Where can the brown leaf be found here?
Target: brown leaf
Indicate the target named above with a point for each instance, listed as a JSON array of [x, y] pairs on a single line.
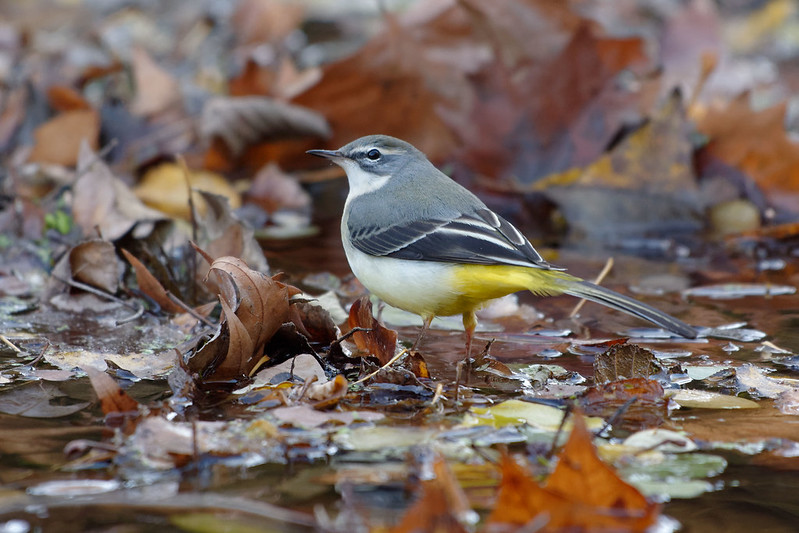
[[379, 341], [150, 286], [58, 141], [156, 89], [255, 306], [243, 121], [622, 361], [756, 143], [95, 263], [643, 399]]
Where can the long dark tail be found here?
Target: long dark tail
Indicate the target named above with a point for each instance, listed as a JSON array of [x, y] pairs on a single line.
[[614, 300]]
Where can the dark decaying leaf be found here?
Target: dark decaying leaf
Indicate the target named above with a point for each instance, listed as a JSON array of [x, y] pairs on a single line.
[[379, 340], [639, 403], [33, 400], [622, 361], [314, 321], [243, 121]]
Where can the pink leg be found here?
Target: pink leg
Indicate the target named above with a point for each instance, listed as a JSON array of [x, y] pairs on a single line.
[[425, 327]]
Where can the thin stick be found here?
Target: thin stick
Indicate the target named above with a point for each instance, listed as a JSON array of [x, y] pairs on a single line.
[[388, 364], [180, 303], [9, 343], [602, 274]]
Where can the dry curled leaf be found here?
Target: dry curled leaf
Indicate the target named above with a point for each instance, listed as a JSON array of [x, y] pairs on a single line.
[[243, 121], [379, 340]]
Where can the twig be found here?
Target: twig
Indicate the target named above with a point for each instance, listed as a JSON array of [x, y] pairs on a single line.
[[9, 343], [388, 364], [97, 292], [180, 303], [601, 276]]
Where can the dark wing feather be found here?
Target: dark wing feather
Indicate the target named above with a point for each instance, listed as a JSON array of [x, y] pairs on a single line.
[[482, 237]]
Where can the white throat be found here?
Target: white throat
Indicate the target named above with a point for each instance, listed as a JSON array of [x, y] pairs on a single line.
[[361, 182]]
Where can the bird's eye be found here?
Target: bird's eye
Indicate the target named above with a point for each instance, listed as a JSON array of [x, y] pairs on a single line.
[[373, 154]]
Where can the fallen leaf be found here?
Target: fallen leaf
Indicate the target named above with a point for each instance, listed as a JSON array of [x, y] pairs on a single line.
[[112, 398], [273, 190], [156, 89], [63, 98], [622, 361], [33, 400], [642, 399], [266, 21], [95, 263], [166, 187], [150, 286], [581, 493], [699, 399], [379, 340], [103, 202], [58, 141], [441, 506], [243, 121]]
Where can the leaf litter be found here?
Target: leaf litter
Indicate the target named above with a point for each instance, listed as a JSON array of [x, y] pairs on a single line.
[[140, 173]]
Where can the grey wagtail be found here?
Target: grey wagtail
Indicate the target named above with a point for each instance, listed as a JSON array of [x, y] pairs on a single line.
[[421, 242]]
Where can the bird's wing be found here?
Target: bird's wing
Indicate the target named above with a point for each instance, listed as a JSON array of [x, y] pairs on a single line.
[[481, 237]]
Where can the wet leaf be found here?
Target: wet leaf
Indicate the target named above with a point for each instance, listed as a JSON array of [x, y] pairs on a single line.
[[379, 340], [727, 291], [698, 399], [112, 398], [33, 400], [515, 412], [638, 402], [622, 361]]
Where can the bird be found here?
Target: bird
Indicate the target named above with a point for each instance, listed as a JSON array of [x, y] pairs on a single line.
[[420, 241]]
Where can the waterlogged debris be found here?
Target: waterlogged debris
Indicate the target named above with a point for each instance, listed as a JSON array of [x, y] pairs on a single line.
[[730, 291], [752, 380], [68, 488], [666, 476], [622, 361], [33, 400], [384, 438], [733, 332], [662, 440], [514, 412], [699, 399], [700, 373], [305, 416], [143, 365]]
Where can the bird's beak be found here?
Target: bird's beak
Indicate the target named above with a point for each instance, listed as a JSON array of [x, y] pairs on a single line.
[[327, 154]]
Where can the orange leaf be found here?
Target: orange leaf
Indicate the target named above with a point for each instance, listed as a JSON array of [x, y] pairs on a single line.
[[441, 506], [583, 493], [57, 141], [112, 398], [379, 341], [64, 98]]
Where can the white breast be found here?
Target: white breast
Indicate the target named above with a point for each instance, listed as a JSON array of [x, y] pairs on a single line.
[[421, 287]]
